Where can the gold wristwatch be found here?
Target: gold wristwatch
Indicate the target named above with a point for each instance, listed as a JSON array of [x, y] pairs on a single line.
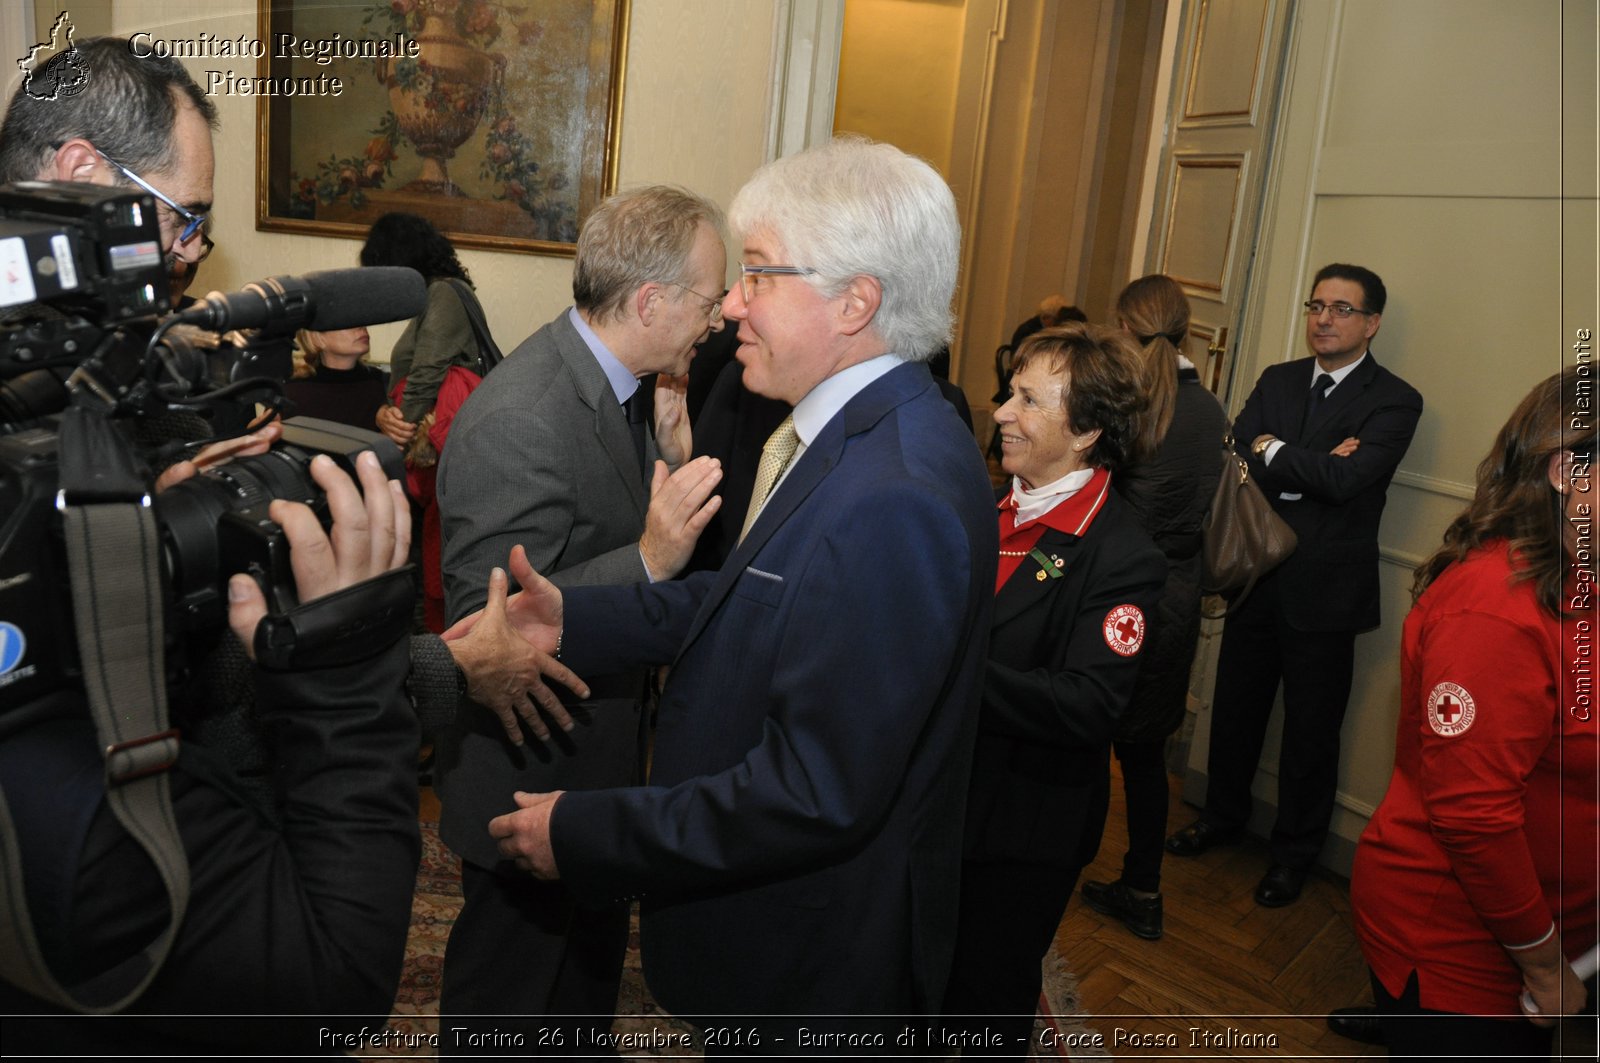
[[1259, 447]]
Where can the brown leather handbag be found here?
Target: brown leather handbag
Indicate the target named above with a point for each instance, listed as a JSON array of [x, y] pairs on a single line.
[[1243, 539]]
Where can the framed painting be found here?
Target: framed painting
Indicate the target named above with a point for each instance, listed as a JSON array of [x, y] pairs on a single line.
[[497, 120]]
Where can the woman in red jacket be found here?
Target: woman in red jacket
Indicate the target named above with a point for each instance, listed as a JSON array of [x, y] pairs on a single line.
[[1475, 879]]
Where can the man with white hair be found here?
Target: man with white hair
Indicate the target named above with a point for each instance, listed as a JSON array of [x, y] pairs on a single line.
[[797, 849]]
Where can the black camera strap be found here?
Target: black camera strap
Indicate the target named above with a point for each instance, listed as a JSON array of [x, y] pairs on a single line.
[[114, 559]]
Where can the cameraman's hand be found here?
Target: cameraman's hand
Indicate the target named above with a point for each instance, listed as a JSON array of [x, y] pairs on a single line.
[[258, 442], [371, 535], [506, 673]]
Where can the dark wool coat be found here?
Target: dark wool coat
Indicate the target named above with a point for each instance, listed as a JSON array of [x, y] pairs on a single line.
[[1170, 493]]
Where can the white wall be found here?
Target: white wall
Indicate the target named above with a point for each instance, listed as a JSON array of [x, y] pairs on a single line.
[[1450, 146]]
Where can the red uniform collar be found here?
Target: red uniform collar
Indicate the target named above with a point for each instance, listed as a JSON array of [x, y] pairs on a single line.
[[1072, 516]]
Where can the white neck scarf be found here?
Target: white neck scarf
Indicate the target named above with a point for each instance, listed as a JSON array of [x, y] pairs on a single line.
[[1036, 502]]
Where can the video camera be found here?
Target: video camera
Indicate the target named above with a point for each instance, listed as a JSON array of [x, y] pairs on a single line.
[[92, 376]]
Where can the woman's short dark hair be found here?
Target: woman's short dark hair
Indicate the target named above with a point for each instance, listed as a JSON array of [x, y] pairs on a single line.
[[1103, 391], [401, 239]]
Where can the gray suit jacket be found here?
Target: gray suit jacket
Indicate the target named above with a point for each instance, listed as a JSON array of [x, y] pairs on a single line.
[[541, 455]]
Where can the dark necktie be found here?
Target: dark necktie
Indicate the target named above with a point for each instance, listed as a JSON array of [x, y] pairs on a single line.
[[1319, 391], [636, 408]]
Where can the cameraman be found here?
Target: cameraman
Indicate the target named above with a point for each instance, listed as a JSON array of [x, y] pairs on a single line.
[[301, 902], [144, 116], [309, 914]]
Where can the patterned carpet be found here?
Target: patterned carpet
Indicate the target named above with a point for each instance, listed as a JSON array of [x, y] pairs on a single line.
[[438, 897]]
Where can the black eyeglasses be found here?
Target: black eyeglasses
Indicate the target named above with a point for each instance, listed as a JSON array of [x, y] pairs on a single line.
[[1339, 310], [191, 220]]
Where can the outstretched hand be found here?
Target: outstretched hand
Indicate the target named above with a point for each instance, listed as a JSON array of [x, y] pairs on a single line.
[[506, 671]]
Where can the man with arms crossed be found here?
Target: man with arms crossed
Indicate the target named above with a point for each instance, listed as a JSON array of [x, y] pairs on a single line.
[[1325, 435]]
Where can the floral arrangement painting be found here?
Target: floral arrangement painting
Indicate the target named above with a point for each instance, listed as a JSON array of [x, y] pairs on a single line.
[[496, 120]]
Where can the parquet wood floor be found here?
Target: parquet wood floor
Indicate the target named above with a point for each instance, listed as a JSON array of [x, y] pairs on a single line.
[[1226, 966], [1227, 969]]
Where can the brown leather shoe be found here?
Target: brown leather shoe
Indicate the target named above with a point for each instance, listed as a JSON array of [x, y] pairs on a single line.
[[1199, 836]]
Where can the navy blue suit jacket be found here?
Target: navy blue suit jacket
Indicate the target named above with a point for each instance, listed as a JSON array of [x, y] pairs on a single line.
[[1330, 582], [797, 850]]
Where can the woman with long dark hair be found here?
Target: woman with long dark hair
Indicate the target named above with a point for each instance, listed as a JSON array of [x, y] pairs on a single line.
[[434, 366], [442, 335], [1170, 492], [1475, 881]]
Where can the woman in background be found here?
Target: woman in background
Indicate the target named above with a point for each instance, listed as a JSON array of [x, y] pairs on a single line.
[[332, 379], [1476, 878], [435, 365], [1170, 493], [1076, 580], [442, 336]]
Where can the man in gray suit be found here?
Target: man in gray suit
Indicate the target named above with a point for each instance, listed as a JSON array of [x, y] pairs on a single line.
[[550, 453]]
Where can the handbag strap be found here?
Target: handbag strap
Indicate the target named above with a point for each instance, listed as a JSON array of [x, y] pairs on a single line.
[[1233, 461], [489, 354]]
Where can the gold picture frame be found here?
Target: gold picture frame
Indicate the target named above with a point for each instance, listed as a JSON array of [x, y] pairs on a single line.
[[497, 120]]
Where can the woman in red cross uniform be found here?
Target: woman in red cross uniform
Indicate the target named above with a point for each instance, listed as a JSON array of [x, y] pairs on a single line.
[[1077, 581], [1476, 879]]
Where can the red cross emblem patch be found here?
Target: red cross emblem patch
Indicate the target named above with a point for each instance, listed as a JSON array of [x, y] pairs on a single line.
[[1450, 710], [1124, 630]]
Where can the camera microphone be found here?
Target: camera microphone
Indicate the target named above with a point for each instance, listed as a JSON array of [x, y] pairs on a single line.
[[324, 301]]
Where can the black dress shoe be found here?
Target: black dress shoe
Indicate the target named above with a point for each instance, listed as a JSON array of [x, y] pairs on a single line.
[[1280, 886], [1358, 1023], [1142, 915], [1199, 836]]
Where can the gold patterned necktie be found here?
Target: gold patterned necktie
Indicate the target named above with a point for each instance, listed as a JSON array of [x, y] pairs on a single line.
[[776, 454]]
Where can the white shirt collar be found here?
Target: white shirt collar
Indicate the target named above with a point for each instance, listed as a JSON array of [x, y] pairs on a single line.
[[1338, 374], [812, 413]]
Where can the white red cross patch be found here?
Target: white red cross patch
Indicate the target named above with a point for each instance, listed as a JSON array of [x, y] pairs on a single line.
[[1124, 630], [1450, 710]]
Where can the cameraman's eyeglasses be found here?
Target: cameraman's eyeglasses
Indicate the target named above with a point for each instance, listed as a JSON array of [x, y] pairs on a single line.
[[191, 220], [1342, 311]]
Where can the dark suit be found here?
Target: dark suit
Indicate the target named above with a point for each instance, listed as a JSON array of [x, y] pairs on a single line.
[[797, 848], [1300, 623], [541, 454], [1053, 692], [732, 425]]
